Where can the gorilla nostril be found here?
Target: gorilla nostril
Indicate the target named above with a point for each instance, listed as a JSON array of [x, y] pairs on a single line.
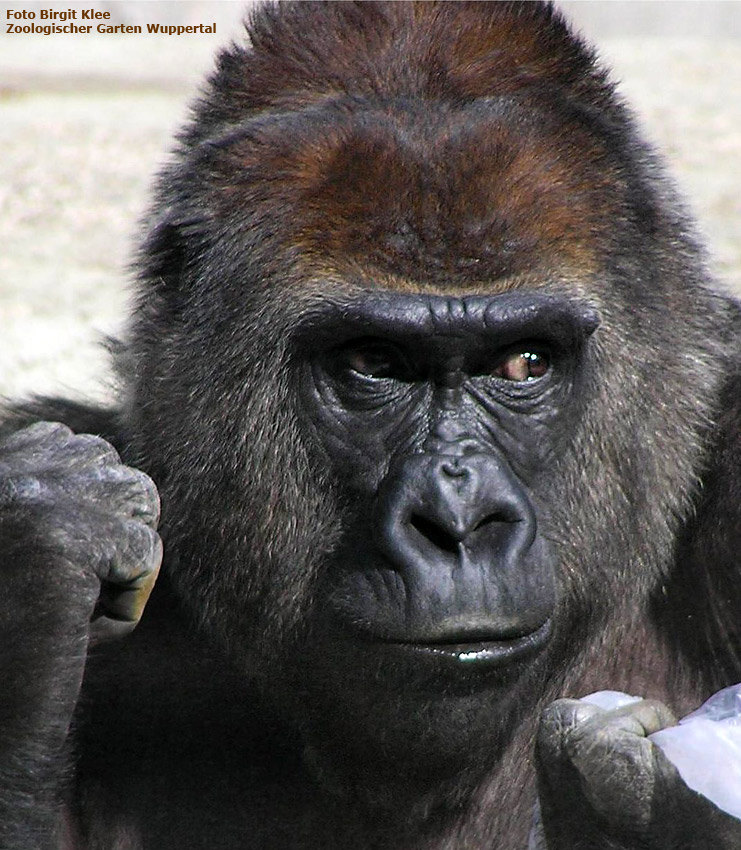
[[436, 535], [498, 517], [487, 520], [454, 470]]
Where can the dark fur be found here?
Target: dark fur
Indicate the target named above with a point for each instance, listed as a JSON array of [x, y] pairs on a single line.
[[324, 160]]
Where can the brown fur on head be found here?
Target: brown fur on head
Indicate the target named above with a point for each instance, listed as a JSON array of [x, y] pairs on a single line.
[[480, 116]]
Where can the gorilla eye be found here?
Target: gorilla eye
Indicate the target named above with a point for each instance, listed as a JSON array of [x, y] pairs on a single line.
[[373, 359], [523, 366]]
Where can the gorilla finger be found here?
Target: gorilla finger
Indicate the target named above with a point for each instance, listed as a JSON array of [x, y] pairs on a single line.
[[46, 448], [644, 717], [136, 553], [120, 489], [125, 603], [89, 449], [39, 434], [573, 731], [121, 603], [562, 716], [113, 549], [641, 719], [104, 628], [23, 488]]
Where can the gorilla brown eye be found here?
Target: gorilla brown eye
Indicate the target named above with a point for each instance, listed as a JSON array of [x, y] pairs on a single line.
[[373, 360], [523, 366]]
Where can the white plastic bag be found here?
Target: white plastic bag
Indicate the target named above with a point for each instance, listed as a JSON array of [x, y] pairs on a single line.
[[705, 747]]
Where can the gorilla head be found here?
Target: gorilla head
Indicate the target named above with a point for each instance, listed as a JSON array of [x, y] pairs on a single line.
[[423, 365]]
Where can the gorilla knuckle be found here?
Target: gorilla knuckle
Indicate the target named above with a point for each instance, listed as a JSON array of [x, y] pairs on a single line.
[[146, 503], [92, 450], [654, 715], [17, 490], [122, 490], [568, 712], [140, 553], [49, 433]]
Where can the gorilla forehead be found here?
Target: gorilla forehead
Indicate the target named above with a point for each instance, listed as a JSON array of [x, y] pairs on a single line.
[[459, 194], [505, 318]]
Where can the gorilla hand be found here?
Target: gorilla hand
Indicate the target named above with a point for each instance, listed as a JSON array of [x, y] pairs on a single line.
[[604, 786], [68, 500], [80, 556]]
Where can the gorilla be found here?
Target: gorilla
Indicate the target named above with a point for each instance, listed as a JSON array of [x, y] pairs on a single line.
[[443, 411]]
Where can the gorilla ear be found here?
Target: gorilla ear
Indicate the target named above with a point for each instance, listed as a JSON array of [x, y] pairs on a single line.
[[172, 244], [163, 257]]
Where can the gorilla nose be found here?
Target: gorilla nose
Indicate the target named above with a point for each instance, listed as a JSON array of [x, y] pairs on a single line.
[[438, 506], [453, 503]]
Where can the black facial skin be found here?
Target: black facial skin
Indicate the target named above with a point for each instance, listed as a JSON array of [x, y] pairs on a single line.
[[438, 415]]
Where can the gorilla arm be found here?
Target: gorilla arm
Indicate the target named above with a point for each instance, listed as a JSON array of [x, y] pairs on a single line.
[[79, 557]]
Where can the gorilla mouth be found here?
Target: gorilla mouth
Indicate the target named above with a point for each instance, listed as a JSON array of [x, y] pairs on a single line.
[[489, 653]]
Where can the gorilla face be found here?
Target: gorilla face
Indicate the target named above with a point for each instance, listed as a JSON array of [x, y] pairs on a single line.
[[438, 415], [404, 481]]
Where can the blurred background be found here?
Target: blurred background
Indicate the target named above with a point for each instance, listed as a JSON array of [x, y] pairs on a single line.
[[85, 121]]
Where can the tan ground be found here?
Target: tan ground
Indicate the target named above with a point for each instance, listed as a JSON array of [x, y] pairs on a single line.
[[83, 127]]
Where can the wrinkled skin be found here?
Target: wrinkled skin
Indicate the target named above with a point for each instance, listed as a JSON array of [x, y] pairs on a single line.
[[603, 784], [79, 558]]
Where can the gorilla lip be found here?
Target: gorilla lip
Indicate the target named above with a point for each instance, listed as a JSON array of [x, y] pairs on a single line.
[[492, 653]]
